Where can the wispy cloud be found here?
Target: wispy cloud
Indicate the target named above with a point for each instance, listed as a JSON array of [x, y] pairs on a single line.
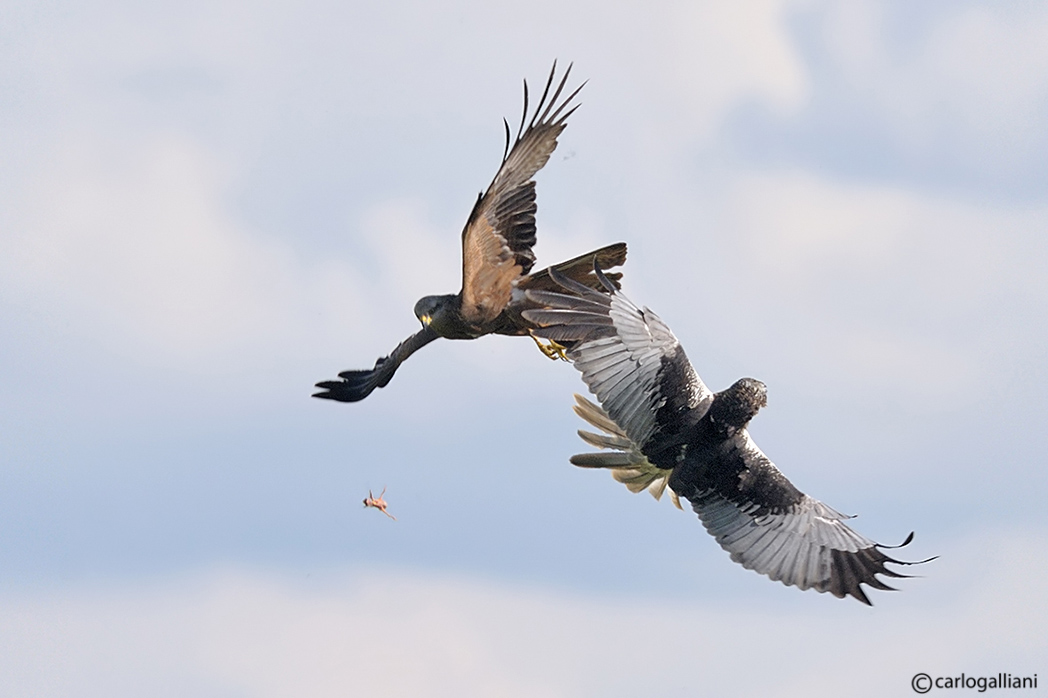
[[392, 632], [845, 200]]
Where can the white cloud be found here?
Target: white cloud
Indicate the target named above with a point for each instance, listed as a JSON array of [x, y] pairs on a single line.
[[386, 633], [992, 63], [968, 87], [133, 134], [718, 53], [702, 59], [410, 256], [856, 287], [136, 136], [133, 244]]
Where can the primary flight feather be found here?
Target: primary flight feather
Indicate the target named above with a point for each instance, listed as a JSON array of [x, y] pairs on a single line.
[[497, 254], [663, 428]]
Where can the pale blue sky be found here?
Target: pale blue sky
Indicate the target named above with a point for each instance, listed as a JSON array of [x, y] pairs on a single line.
[[208, 207]]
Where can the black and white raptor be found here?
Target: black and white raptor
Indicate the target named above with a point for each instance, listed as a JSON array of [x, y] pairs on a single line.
[[664, 428]]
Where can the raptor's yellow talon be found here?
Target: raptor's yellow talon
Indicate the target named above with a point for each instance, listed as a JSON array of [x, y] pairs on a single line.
[[552, 351]]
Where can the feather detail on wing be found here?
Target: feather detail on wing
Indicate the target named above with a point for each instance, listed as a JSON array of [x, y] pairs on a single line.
[[627, 465], [357, 385], [500, 232], [804, 543], [580, 269], [628, 357], [657, 412]]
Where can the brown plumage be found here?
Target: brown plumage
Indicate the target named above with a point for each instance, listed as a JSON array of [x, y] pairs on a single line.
[[497, 254]]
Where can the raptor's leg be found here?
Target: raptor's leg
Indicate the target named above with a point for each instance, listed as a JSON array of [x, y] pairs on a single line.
[[552, 350]]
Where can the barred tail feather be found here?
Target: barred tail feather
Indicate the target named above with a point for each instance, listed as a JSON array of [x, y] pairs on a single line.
[[627, 464]]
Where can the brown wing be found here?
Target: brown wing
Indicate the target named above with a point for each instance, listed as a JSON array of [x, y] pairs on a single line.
[[580, 269], [500, 232]]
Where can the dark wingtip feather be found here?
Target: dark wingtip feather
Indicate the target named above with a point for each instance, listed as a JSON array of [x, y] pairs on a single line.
[[342, 391], [505, 149], [524, 114], [540, 115], [556, 118], [548, 110], [849, 570], [909, 539]]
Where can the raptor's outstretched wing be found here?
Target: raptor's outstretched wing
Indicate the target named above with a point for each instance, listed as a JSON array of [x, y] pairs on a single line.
[[652, 399], [628, 357], [500, 232], [767, 525], [357, 385]]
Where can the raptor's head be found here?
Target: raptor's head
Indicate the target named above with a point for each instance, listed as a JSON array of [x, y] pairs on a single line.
[[430, 309], [737, 405]]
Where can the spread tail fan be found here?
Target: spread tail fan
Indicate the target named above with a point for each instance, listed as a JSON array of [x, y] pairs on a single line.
[[628, 465]]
